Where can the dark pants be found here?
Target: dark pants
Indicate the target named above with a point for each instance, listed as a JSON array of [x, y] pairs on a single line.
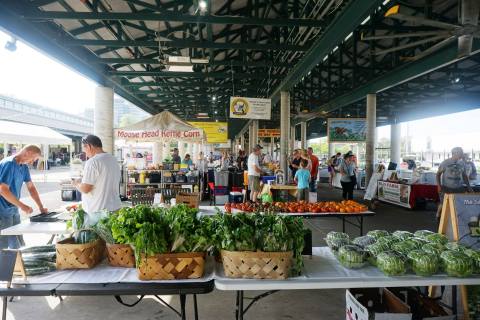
[[313, 184], [347, 188]]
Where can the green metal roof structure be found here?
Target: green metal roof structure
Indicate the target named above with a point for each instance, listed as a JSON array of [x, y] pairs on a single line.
[[328, 53]]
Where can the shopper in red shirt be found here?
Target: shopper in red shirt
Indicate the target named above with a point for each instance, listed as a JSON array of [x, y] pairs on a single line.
[[313, 171]]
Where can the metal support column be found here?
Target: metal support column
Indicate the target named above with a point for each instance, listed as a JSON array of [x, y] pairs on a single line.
[[303, 134], [395, 143], [371, 136], [284, 129], [103, 117], [293, 139], [250, 138], [242, 141], [254, 133]]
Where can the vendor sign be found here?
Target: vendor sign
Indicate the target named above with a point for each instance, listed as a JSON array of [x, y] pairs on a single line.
[[217, 132], [150, 135], [347, 130], [269, 133], [395, 193], [250, 108]]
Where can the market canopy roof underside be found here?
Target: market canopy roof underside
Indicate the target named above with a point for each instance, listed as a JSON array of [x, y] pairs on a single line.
[[329, 54]]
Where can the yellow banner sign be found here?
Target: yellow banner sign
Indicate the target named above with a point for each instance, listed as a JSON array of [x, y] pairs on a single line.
[[265, 133], [217, 132]]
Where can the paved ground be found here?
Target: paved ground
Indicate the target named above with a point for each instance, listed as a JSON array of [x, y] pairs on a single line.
[[314, 304]]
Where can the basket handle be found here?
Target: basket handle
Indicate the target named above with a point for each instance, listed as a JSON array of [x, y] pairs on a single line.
[[119, 300]]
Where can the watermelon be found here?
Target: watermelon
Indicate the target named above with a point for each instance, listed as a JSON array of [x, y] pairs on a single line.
[[336, 239], [437, 238], [404, 247], [352, 256], [402, 235], [455, 246], [391, 263], [475, 255], [377, 234], [388, 240], [423, 263], [434, 248], [374, 250], [364, 241], [423, 233], [457, 263]]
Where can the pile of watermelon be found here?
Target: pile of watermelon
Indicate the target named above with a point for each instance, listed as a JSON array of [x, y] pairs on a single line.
[[424, 253]]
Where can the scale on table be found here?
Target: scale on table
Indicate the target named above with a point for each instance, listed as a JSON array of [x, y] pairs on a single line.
[[45, 217]]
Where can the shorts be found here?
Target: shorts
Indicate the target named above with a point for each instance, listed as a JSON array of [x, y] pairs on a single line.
[[303, 194], [254, 183], [9, 217]]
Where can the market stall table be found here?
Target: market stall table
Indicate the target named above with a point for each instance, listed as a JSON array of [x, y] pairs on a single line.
[[323, 271], [277, 189], [406, 195], [104, 280], [353, 219]]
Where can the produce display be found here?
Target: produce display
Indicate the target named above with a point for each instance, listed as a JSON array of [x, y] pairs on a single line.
[[423, 263], [424, 253], [457, 263], [346, 206], [38, 259], [255, 232], [352, 256], [392, 263]]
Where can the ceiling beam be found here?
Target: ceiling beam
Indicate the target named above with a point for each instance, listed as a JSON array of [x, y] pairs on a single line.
[[402, 74], [173, 17], [184, 44], [234, 63], [199, 75], [345, 22]]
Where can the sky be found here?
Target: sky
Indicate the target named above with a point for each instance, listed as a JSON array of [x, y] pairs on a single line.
[[30, 75]]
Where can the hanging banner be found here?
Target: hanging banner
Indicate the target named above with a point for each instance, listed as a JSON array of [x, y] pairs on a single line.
[[158, 134], [347, 130], [250, 108], [395, 193], [268, 133], [217, 132]]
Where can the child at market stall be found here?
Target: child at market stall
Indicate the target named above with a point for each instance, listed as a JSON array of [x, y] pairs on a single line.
[[302, 178]]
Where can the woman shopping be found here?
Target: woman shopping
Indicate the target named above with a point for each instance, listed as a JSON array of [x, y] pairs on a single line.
[[349, 178]]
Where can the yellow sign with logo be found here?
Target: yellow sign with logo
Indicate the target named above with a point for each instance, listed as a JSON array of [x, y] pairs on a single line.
[[217, 132]]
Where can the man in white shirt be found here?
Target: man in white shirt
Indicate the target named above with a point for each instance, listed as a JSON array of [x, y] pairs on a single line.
[[254, 172], [101, 178]]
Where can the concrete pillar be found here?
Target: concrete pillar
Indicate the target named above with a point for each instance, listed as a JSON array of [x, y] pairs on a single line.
[[255, 132], [250, 137], [181, 149], [242, 141], [371, 137], [103, 117], [284, 130], [395, 143], [272, 147], [293, 139], [157, 153], [303, 134]]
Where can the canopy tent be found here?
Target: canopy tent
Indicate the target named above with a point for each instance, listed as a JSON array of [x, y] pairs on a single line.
[[22, 133], [160, 127]]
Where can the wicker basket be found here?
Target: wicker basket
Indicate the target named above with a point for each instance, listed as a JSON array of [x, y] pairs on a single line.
[[120, 255], [71, 255], [172, 266], [256, 265]]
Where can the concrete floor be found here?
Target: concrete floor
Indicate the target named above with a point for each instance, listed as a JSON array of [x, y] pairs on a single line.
[[313, 304]]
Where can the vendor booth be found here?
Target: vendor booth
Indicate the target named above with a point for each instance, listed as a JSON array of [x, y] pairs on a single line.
[[161, 175], [22, 134]]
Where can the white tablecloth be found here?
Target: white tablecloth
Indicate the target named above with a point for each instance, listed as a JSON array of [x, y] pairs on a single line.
[[105, 274], [323, 271]]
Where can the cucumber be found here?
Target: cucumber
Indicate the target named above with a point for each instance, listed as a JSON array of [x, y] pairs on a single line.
[[32, 271], [42, 256], [38, 249], [38, 264]]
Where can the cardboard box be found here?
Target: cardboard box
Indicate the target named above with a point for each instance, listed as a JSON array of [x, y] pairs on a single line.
[[393, 304], [190, 199], [383, 304]]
